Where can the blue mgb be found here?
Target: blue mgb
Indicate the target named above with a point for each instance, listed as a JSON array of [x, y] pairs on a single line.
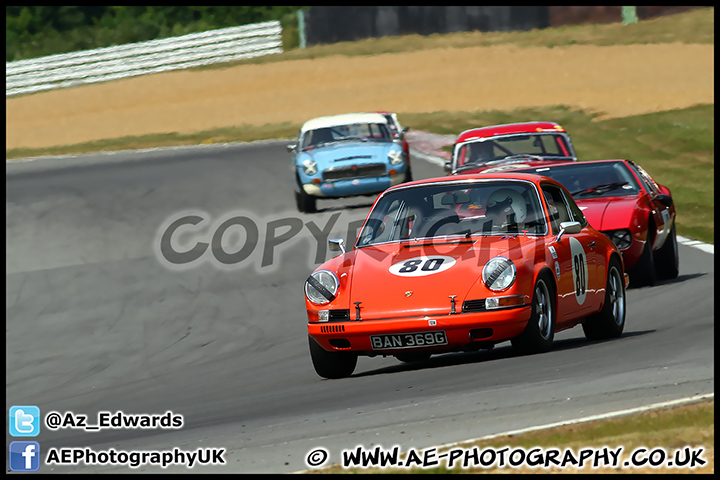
[[344, 156]]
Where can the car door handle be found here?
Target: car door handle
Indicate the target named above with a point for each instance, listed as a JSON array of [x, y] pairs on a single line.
[[592, 244]]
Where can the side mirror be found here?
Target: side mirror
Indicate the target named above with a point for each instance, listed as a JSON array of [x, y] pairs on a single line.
[[665, 199], [336, 245], [404, 130], [291, 148], [568, 227], [447, 167]]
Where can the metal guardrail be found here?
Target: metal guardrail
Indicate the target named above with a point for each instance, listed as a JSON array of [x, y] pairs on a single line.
[[122, 61]]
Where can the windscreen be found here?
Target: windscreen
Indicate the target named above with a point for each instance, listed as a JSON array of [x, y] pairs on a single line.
[[455, 209], [591, 180], [501, 147], [366, 132]]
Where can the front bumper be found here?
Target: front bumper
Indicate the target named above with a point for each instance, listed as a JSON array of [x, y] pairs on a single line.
[[353, 186], [461, 330]]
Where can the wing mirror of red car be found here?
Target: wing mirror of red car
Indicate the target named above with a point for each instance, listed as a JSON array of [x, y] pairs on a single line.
[[336, 245], [568, 227], [447, 167], [664, 199]]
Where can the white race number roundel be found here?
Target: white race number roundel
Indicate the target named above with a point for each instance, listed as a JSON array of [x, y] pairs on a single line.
[[579, 269], [420, 266]]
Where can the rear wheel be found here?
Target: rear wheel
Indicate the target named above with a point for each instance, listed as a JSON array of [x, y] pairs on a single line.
[[667, 262], [540, 330], [331, 364], [643, 273], [610, 321], [304, 202]]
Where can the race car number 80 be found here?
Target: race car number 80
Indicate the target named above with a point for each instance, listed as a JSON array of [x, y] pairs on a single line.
[[420, 266]]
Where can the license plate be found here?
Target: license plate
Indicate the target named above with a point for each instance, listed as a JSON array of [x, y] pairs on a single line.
[[408, 340]]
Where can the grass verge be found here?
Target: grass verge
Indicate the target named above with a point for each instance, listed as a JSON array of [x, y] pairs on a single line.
[[672, 430]]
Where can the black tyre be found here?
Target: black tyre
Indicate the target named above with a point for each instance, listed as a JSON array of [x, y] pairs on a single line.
[[667, 261], [304, 202], [411, 357], [610, 321], [540, 331], [408, 174], [331, 364], [642, 274]]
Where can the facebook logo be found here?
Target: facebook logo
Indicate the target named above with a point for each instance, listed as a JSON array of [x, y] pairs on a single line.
[[24, 421], [24, 456]]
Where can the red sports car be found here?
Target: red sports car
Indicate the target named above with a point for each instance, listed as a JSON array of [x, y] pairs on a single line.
[[463, 263], [623, 201], [492, 149]]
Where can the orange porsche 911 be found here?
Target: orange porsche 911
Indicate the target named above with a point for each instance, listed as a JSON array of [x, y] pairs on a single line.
[[460, 264]]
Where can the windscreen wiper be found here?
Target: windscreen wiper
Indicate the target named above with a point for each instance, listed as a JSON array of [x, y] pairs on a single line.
[[604, 188]]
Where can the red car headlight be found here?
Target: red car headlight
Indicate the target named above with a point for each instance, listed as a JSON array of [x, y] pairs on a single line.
[[621, 238]]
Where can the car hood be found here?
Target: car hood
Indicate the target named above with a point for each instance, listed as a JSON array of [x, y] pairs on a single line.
[[378, 280], [352, 152], [608, 213]]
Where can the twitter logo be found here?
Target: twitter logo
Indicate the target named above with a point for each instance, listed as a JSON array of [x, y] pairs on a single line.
[[24, 421]]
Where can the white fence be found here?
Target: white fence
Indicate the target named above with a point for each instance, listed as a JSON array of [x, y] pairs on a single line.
[[112, 63]]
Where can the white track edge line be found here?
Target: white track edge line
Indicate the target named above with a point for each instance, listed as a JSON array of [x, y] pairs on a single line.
[[604, 416]]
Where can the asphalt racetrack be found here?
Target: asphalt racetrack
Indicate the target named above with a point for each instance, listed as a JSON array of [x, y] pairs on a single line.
[[96, 321]]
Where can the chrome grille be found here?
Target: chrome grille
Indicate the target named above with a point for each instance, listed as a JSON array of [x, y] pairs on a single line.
[[354, 171], [340, 315], [474, 305]]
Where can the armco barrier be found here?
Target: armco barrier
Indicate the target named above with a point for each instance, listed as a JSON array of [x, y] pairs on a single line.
[[112, 63]]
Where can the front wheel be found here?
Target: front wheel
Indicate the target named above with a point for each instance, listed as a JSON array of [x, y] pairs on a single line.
[[667, 262], [331, 364], [540, 331], [304, 202], [643, 273], [408, 174], [610, 321]]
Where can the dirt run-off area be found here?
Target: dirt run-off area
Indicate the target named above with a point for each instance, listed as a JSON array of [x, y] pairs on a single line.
[[615, 81]]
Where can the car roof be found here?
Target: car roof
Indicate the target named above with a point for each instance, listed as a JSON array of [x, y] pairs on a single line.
[[509, 128], [343, 119]]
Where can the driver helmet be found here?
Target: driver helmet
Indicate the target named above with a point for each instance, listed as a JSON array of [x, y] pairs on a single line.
[[515, 201]]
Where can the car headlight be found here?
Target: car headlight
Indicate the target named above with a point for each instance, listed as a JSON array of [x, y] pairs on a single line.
[[396, 157], [321, 287], [310, 167], [499, 273], [621, 238]]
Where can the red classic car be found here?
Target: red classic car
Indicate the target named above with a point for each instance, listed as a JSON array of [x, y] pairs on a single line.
[[623, 201], [463, 263], [495, 148]]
